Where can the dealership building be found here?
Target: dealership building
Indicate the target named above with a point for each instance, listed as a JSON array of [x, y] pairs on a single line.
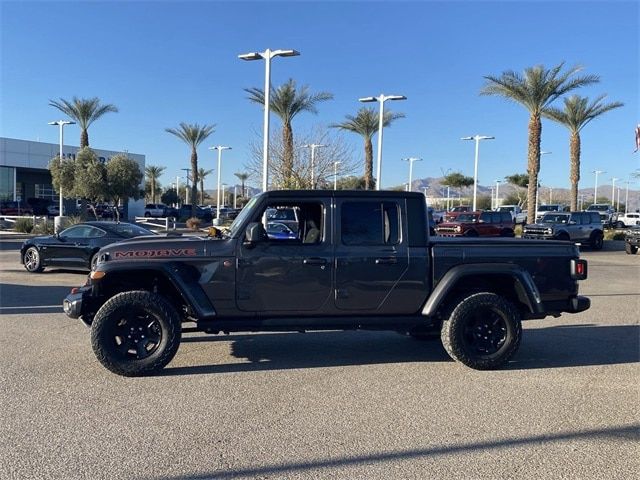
[[24, 170]]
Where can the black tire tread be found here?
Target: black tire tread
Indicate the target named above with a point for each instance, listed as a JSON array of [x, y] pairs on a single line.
[[596, 241], [154, 302], [464, 306], [630, 249], [40, 267]]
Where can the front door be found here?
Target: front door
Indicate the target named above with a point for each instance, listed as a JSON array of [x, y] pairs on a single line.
[[292, 269], [371, 256]]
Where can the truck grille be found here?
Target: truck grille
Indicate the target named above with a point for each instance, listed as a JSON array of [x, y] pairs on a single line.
[[535, 231], [446, 230]]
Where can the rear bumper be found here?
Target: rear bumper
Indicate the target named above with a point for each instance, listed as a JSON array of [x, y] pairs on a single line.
[[579, 304]]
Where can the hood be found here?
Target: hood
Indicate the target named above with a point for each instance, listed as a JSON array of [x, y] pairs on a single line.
[[167, 248]]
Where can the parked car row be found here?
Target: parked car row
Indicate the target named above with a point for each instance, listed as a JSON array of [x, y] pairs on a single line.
[[204, 212]]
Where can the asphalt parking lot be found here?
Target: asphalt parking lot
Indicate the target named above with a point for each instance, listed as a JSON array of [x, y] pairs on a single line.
[[325, 404]]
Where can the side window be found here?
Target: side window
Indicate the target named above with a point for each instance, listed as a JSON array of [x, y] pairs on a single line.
[[293, 222], [95, 233], [81, 231], [370, 223], [595, 217], [485, 217]]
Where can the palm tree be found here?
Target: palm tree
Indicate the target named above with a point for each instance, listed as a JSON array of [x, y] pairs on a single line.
[[287, 101], [576, 114], [202, 173], [84, 111], [242, 176], [366, 123], [153, 173], [193, 135], [535, 90]]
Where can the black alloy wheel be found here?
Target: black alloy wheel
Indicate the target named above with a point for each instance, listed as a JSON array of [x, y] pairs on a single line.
[[483, 331], [135, 333]]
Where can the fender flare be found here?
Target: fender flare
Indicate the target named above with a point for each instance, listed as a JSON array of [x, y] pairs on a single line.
[[187, 286], [524, 284]]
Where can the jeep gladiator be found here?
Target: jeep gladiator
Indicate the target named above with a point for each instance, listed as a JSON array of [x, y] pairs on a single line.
[[357, 260]]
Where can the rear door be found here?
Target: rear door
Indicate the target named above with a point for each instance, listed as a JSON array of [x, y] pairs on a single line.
[[371, 255]]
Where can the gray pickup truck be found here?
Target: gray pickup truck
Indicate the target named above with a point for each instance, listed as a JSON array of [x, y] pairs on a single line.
[[358, 260], [584, 228]]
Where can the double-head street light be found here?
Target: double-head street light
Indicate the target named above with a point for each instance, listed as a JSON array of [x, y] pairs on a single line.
[[220, 148], [477, 139], [267, 55], [381, 99], [61, 124], [411, 160], [595, 188], [313, 147]]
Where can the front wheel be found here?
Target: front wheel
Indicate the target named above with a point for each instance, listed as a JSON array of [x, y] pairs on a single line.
[[483, 331], [136, 333], [32, 261], [630, 249]]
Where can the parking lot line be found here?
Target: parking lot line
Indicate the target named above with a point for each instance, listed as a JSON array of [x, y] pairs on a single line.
[[30, 306]]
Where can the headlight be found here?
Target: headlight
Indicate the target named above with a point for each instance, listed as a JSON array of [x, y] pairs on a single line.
[[548, 231], [458, 229]]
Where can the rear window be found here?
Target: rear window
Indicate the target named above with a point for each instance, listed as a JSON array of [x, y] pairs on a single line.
[[370, 223], [129, 230]]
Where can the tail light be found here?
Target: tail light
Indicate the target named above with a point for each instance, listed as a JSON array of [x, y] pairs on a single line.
[[578, 269]]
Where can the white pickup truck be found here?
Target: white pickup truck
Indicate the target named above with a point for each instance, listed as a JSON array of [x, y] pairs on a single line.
[[519, 216]]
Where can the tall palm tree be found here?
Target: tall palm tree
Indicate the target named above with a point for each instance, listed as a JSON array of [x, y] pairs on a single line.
[[202, 173], [242, 176], [536, 89], [577, 113], [153, 173], [193, 135], [84, 111], [366, 123], [286, 102]]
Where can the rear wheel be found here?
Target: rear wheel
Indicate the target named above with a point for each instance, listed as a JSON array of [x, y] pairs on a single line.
[[135, 333], [32, 261], [507, 233], [483, 331], [630, 249], [596, 241]]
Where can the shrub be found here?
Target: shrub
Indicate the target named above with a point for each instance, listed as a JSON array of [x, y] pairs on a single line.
[[193, 223], [518, 230], [613, 235], [46, 227], [23, 225]]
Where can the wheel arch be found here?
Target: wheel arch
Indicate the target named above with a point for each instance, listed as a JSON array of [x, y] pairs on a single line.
[[507, 280]]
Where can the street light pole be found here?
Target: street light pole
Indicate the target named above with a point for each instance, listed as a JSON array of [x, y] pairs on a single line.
[[335, 174], [186, 192], [61, 124], [477, 139], [220, 148], [595, 188], [613, 190], [313, 147], [411, 160], [267, 55], [380, 99], [626, 198], [497, 192]]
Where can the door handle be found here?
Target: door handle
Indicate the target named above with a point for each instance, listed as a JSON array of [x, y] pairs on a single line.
[[314, 261], [386, 261]]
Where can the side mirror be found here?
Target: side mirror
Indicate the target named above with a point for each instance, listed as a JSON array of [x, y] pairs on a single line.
[[572, 222], [254, 234]]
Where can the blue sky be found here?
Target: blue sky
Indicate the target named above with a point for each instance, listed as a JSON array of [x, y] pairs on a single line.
[[163, 63]]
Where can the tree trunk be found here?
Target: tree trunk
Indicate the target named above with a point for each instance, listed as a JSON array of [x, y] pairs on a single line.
[[202, 191], [84, 138], [242, 181], [153, 190], [287, 163], [194, 184], [574, 174], [533, 164], [368, 164]]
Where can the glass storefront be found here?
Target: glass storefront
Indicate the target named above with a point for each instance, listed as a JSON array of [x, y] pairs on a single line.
[[7, 179]]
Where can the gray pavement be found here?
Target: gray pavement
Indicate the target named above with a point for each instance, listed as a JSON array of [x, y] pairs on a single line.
[[325, 404]]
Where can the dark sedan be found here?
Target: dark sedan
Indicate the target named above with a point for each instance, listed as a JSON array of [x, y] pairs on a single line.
[[77, 246]]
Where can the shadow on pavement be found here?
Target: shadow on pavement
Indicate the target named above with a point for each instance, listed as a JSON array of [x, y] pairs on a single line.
[[552, 347], [20, 298], [628, 433]]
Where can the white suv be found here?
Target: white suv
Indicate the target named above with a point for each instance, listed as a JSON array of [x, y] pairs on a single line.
[[155, 210]]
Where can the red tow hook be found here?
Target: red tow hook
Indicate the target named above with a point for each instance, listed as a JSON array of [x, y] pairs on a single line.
[[75, 290]]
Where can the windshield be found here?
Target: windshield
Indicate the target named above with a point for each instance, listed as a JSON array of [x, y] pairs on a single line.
[[466, 217], [555, 218], [244, 213], [129, 230], [505, 209], [548, 208], [598, 208]]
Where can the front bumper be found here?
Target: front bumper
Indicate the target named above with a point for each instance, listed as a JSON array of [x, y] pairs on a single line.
[[80, 303], [633, 241], [538, 237]]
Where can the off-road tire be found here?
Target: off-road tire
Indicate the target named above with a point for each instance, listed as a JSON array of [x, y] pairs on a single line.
[[466, 325], [471, 233], [596, 241], [630, 249], [564, 237], [93, 261], [129, 311], [32, 260]]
